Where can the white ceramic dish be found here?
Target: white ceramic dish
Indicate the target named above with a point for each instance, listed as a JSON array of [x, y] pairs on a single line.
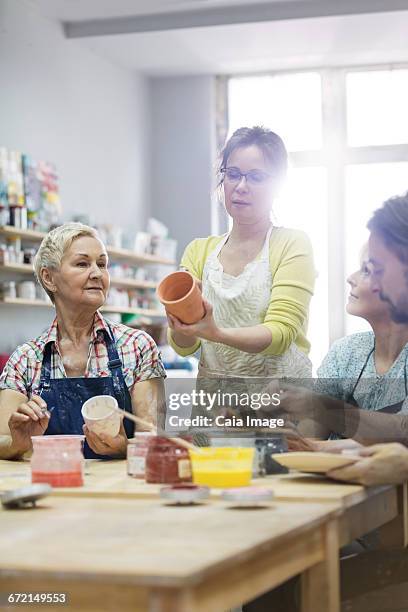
[[248, 497], [100, 415], [184, 495], [317, 463]]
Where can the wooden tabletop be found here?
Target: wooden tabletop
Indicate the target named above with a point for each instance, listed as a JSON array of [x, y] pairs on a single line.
[[146, 540], [110, 479], [115, 530], [364, 508], [164, 557]]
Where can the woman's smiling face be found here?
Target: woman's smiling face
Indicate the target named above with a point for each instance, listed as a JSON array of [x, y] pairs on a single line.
[[363, 300], [247, 201], [83, 276]]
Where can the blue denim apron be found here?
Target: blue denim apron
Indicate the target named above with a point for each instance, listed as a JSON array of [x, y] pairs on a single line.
[[67, 395]]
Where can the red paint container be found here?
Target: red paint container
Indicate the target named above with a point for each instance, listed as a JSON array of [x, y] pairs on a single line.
[[58, 460], [167, 463]]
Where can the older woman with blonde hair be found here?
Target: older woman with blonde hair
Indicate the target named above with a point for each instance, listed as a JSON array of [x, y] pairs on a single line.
[[46, 380]]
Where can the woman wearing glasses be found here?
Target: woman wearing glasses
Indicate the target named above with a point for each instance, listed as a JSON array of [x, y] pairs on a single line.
[[257, 280]]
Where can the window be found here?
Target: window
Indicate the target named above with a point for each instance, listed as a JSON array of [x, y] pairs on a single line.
[[377, 103], [289, 105], [303, 205], [367, 187], [347, 134]]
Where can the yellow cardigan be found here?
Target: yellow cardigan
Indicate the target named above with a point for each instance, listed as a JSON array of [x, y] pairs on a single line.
[[291, 263]]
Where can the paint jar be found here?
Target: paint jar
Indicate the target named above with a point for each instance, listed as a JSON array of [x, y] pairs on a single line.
[[136, 453], [222, 467], [167, 463], [58, 460], [266, 447]]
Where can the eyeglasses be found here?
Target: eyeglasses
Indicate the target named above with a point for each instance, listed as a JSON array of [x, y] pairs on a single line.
[[253, 177]]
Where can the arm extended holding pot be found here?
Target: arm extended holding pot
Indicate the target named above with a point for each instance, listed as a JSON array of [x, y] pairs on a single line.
[[292, 289], [186, 338], [252, 339]]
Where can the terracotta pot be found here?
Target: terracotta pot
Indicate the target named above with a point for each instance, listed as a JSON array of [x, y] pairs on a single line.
[[181, 297]]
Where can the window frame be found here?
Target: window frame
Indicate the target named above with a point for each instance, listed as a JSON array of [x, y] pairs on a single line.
[[335, 155]]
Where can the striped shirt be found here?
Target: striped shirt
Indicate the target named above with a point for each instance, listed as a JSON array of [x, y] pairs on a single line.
[[137, 351]]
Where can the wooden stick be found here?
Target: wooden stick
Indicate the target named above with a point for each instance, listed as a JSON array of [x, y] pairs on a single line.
[[153, 429]]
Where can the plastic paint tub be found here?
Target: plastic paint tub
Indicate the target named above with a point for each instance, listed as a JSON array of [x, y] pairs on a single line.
[[58, 460], [167, 463], [222, 467]]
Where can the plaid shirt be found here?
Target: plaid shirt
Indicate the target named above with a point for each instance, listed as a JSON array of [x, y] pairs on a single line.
[[137, 351]]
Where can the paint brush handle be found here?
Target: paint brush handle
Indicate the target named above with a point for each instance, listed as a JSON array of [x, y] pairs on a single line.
[[153, 429]]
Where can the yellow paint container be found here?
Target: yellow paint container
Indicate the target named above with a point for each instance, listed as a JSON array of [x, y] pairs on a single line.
[[222, 467]]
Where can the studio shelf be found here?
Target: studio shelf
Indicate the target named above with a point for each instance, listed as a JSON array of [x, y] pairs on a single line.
[[125, 283], [147, 312], [115, 254]]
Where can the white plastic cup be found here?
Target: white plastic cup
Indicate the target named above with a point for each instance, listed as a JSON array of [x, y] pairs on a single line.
[[100, 415]]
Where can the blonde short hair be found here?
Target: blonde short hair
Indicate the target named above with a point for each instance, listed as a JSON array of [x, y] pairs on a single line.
[[55, 244]]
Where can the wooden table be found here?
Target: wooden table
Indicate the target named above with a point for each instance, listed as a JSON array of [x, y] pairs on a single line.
[[364, 509], [114, 531], [142, 555]]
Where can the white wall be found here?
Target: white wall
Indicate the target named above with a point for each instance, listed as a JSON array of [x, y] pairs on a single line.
[[183, 148], [61, 102]]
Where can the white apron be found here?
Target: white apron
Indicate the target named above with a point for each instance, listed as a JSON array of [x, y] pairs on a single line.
[[242, 301]]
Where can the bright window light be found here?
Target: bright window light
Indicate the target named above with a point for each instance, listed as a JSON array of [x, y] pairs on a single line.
[[309, 214], [367, 187], [289, 105], [377, 103]]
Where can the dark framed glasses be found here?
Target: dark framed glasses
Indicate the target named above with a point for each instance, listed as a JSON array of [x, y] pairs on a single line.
[[252, 177]]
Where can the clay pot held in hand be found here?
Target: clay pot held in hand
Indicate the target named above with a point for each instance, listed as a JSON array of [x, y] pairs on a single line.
[[181, 296]]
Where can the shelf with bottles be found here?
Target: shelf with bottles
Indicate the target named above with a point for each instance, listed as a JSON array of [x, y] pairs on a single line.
[[125, 283], [114, 253], [17, 232], [148, 312], [134, 276], [122, 300]]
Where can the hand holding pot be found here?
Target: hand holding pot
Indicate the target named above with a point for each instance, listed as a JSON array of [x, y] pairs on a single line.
[[104, 444], [180, 293], [206, 328]]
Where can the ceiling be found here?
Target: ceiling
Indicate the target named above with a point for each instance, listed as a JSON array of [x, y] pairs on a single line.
[[244, 47], [78, 10]]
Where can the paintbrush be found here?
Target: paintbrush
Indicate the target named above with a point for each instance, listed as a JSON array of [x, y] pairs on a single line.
[[153, 429]]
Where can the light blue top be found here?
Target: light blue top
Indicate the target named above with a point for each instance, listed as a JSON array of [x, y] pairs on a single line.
[[340, 369]]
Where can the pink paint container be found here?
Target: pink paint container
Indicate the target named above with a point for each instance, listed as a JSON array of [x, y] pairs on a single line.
[[58, 460]]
